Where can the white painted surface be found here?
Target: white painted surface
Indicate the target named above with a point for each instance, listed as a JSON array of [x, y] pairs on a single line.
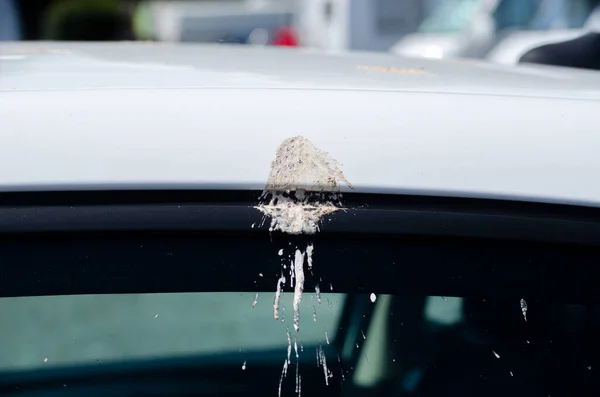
[[162, 116]]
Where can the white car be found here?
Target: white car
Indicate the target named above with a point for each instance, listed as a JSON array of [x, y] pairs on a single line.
[[182, 220], [511, 48], [216, 20], [484, 28]]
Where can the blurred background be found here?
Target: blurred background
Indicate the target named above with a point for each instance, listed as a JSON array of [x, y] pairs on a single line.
[[497, 30]]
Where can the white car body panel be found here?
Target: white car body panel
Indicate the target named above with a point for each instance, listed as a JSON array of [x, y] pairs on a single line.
[[129, 116]]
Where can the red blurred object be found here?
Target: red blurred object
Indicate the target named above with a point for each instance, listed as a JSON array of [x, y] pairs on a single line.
[[285, 36]]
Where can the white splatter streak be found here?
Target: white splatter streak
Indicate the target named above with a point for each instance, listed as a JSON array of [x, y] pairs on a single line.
[[280, 282], [299, 288], [296, 348], [289, 348], [297, 366], [323, 362], [524, 308], [283, 374]]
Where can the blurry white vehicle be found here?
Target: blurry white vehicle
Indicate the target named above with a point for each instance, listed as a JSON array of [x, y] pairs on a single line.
[[372, 25], [472, 28], [218, 21], [511, 48]]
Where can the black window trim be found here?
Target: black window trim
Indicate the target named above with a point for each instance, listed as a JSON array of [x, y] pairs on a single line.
[[545, 236]]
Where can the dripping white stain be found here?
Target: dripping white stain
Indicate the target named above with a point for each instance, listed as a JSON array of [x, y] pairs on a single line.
[[303, 186], [289, 348], [309, 255], [524, 308], [283, 375], [280, 283], [322, 362], [318, 293], [299, 288]]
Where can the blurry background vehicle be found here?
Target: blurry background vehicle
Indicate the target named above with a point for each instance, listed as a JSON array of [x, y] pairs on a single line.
[[324, 24], [509, 50], [500, 31], [582, 52], [239, 21], [472, 28], [372, 25]]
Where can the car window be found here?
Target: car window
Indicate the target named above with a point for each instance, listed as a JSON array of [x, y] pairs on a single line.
[[448, 346], [457, 15], [400, 314], [87, 329]]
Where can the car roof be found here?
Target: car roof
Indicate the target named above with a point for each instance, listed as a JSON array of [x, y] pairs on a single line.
[[190, 116], [145, 65]]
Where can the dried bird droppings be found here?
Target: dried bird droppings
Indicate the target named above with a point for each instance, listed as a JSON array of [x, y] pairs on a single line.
[[303, 186]]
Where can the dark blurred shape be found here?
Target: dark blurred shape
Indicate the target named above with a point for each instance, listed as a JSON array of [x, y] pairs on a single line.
[[582, 52], [88, 20], [31, 13], [285, 36]]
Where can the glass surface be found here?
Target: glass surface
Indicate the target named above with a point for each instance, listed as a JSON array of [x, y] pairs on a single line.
[[82, 329]]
